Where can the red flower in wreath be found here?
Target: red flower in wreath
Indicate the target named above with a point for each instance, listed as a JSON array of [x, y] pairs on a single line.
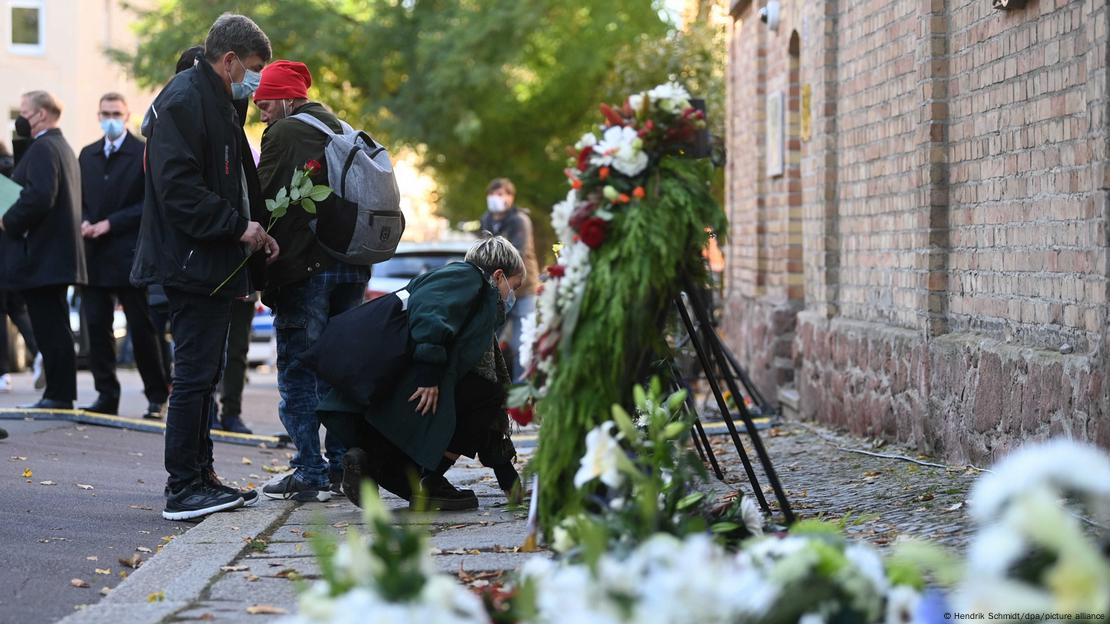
[[593, 232], [579, 216], [556, 270], [311, 167], [522, 415]]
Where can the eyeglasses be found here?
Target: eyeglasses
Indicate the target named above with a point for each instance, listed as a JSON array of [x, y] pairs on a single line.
[[111, 115]]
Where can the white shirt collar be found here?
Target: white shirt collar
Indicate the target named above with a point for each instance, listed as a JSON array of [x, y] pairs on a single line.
[[42, 132], [117, 143]]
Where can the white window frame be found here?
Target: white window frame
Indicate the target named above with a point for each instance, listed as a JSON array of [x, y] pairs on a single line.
[[26, 48]]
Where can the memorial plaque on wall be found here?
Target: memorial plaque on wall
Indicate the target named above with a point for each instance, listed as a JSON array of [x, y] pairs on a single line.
[[775, 134]]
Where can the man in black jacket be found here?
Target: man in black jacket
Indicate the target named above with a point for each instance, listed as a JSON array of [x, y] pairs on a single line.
[[112, 198], [41, 253], [195, 232]]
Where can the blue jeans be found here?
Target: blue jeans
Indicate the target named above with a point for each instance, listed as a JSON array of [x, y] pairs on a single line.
[[301, 313], [522, 309]]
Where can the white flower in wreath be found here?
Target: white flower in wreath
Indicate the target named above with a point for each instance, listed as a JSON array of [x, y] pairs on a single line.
[[601, 460], [560, 215], [812, 618], [868, 563], [752, 516], [622, 148], [588, 140], [901, 605], [671, 97]]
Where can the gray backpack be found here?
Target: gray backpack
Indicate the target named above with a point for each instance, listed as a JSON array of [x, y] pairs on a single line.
[[364, 223]]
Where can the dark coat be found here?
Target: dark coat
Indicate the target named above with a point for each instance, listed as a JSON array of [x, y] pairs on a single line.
[[112, 190], [192, 219], [444, 348], [516, 227], [286, 145], [42, 244]]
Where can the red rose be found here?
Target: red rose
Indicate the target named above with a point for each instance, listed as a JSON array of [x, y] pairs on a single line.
[[522, 415], [311, 167], [593, 232], [556, 270], [579, 216], [584, 158]]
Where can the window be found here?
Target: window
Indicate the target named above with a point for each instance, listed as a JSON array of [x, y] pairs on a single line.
[[26, 26]]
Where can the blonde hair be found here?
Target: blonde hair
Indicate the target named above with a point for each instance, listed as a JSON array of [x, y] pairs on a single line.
[[496, 252], [45, 101]]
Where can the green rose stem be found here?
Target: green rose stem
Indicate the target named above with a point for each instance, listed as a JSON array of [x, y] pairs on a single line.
[[244, 262]]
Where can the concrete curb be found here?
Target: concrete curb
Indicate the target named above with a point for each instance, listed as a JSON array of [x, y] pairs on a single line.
[[185, 567]]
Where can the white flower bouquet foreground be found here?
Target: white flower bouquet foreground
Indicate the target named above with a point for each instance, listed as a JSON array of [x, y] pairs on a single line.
[[1035, 551]]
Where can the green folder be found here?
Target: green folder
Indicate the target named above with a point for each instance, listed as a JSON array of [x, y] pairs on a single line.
[[9, 193]]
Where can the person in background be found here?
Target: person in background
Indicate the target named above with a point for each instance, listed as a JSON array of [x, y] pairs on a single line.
[[42, 253], [11, 305], [306, 287], [504, 218], [195, 231], [112, 199]]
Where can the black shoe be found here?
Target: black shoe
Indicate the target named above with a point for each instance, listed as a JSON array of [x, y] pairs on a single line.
[[250, 497], [356, 469], [437, 494], [103, 406], [233, 424], [292, 487], [199, 499], [50, 404], [3, 434], [155, 411]]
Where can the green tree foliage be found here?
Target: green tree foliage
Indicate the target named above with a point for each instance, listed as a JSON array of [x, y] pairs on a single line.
[[481, 88]]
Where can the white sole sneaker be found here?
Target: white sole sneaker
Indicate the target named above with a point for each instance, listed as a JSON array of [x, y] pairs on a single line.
[[197, 513]]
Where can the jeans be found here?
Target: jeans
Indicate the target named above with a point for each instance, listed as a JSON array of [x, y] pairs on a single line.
[[522, 309], [301, 312], [238, 344], [199, 325]]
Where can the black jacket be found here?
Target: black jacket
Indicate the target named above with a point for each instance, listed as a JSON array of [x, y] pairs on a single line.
[[286, 145], [42, 245], [112, 190], [193, 212]]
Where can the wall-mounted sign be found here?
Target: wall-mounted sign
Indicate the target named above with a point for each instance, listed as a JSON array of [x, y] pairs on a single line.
[[1007, 4], [775, 134], [807, 105]]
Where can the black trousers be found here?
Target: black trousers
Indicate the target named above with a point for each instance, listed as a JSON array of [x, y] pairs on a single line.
[[238, 343], [49, 313], [199, 324], [12, 305], [99, 306]]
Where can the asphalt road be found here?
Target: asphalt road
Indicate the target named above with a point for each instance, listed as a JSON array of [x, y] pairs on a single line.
[[102, 500]]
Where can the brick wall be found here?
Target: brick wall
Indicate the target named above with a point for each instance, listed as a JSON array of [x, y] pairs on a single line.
[[931, 266]]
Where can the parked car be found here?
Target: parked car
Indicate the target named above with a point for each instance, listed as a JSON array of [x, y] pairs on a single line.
[[413, 259], [77, 324], [262, 348]]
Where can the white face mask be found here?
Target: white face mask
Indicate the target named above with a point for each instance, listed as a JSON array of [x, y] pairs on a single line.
[[495, 203]]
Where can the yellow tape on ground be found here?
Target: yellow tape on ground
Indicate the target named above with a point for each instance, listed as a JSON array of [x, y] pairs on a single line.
[[134, 424]]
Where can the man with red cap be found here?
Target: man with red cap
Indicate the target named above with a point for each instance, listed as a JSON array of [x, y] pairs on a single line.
[[305, 286]]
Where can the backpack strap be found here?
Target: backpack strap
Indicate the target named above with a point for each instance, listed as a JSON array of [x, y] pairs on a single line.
[[316, 123]]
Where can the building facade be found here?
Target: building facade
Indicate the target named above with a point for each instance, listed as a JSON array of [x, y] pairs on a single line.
[[918, 194], [59, 46]]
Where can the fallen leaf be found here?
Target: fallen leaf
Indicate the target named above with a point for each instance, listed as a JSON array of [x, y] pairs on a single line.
[[288, 573], [142, 507], [156, 596], [341, 525], [143, 549], [251, 578], [27, 474], [104, 591], [104, 571], [17, 458], [90, 558], [265, 610], [275, 469], [133, 562], [928, 496], [78, 583], [136, 454], [84, 487], [234, 568], [47, 483], [254, 476], [955, 507], [246, 461]]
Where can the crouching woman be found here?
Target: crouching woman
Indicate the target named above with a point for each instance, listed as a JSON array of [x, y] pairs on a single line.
[[449, 399]]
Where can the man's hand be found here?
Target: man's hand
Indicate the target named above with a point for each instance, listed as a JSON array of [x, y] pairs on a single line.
[[272, 249], [86, 229], [99, 229], [429, 399], [254, 236]]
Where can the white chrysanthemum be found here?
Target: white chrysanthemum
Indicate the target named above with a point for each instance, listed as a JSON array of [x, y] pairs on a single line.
[[588, 140], [868, 563], [670, 97], [527, 340], [752, 516], [560, 215], [601, 458], [901, 605], [812, 618], [622, 148], [448, 601], [1061, 464]]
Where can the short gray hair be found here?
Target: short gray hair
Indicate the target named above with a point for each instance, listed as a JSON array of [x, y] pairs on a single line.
[[496, 252], [43, 100], [238, 34]]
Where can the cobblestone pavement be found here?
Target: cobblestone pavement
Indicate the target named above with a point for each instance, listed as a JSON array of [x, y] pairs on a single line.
[[877, 499]]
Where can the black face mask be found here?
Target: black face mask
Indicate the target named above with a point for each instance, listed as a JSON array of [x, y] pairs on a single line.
[[22, 127]]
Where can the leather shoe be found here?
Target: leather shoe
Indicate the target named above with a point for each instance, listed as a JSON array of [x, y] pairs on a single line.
[[50, 404], [103, 406], [155, 411], [233, 424]]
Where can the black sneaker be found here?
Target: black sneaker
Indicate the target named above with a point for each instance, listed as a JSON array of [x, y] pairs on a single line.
[[3, 434], [199, 499], [356, 469], [250, 497], [437, 494], [292, 487], [155, 411]]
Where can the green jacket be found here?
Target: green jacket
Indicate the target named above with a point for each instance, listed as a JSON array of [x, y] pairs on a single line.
[[286, 145], [444, 348]]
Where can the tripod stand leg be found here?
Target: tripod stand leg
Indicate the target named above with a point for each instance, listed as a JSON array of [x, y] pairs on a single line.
[[701, 441], [700, 433], [716, 349], [707, 367]]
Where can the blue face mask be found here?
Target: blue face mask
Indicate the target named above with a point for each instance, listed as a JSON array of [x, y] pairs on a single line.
[[246, 88], [510, 301], [113, 128]]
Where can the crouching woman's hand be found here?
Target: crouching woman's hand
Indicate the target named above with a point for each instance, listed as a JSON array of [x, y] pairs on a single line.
[[428, 399]]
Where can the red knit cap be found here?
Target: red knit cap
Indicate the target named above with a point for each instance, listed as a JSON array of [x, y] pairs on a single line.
[[284, 80]]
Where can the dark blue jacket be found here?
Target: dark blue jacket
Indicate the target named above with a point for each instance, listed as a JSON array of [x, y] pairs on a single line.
[[112, 190]]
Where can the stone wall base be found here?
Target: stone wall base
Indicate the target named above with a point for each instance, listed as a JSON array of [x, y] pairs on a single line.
[[761, 334]]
